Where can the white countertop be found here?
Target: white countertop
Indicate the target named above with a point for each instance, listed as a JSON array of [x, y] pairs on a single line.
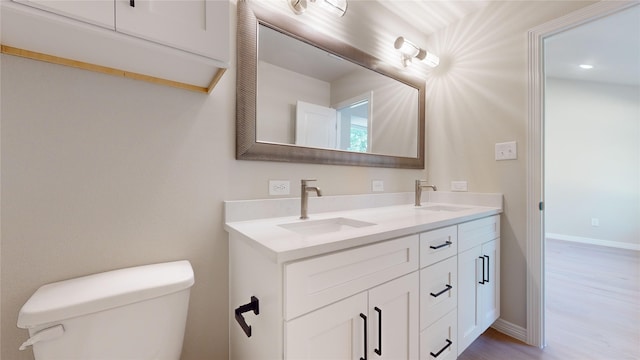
[[283, 245]]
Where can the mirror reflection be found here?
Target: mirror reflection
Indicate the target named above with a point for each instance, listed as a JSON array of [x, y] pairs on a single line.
[[312, 98], [339, 105]]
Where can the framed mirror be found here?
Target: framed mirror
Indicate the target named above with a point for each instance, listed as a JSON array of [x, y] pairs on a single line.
[[305, 97]]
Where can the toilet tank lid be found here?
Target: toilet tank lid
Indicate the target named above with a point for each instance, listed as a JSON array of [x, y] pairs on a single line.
[[89, 294]]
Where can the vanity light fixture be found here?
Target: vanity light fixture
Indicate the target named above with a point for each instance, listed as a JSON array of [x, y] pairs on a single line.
[[336, 7], [410, 50], [586, 66]]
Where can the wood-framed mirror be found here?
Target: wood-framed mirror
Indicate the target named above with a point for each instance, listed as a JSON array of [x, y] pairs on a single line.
[[284, 100]]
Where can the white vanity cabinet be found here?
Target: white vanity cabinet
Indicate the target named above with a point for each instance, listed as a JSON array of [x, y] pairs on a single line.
[[438, 293], [331, 306], [478, 278], [406, 287]]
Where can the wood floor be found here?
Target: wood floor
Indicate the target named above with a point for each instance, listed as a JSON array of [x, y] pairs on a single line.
[[593, 308]]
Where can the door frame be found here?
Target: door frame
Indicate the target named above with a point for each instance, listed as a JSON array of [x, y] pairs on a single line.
[[535, 158]]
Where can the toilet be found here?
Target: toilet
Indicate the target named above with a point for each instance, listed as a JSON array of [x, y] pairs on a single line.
[[137, 313]]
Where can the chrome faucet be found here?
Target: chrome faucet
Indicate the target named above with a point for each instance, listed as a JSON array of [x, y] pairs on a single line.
[[304, 196], [419, 187]]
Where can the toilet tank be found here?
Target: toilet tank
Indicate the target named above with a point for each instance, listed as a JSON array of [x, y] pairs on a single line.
[[135, 313]]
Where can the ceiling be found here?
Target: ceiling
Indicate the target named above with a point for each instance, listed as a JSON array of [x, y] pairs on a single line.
[[610, 44], [431, 16]]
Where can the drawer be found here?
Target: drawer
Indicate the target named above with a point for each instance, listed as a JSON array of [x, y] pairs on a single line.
[[313, 283], [438, 245], [438, 290], [439, 341], [476, 232]]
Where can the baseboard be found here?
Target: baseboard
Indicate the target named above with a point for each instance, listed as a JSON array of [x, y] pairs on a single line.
[[510, 329], [591, 241]]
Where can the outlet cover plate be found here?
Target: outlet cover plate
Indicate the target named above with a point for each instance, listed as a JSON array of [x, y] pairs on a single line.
[[279, 187], [506, 151], [459, 186], [377, 186]]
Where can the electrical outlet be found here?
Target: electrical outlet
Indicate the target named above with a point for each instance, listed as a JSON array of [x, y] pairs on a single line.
[[458, 186], [377, 186], [595, 222], [506, 151], [279, 187]]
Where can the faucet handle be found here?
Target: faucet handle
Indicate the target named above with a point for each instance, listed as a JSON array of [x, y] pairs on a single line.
[[304, 181]]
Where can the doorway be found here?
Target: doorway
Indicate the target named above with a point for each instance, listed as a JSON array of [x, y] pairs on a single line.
[[540, 85]]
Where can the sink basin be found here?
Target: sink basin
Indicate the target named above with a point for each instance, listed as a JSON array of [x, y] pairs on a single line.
[[443, 208], [323, 226]]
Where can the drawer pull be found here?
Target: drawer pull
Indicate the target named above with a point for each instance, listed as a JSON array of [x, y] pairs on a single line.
[[132, 3], [379, 349], [364, 317], [446, 243], [448, 287], [449, 342], [488, 262], [483, 274], [254, 306]]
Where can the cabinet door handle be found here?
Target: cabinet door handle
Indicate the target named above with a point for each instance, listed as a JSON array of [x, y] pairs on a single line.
[[448, 287], [379, 349], [446, 243], [364, 317], [482, 282], [488, 262], [132, 3], [443, 349]]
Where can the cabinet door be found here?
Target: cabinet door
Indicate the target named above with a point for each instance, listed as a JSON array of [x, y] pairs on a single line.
[[333, 332], [393, 319], [197, 26], [97, 12], [490, 290], [469, 277]]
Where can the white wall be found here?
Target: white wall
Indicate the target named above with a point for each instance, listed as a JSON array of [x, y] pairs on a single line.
[[592, 157], [478, 97], [278, 87]]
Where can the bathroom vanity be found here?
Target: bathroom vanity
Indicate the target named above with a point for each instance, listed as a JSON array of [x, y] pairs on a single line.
[[365, 277]]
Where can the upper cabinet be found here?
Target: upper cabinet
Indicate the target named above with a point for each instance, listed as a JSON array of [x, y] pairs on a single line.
[[182, 43], [195, 25], [98, 12]]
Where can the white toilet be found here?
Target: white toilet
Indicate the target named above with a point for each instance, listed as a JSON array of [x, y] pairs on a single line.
[[137, 313]]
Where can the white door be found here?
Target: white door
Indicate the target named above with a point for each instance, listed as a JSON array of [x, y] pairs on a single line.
[[469, 278], [334, 332], [394, 320], [490, 291], [97, 12], [316, 125], [197, 26]]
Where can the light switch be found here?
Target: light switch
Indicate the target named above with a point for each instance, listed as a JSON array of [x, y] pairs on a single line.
[[506, 151]]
